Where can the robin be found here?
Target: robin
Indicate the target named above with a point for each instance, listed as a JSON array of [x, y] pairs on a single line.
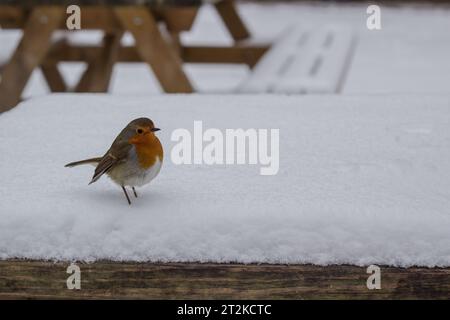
[[133, 160]]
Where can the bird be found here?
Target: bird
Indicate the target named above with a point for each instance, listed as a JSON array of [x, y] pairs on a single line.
[[134, 158]]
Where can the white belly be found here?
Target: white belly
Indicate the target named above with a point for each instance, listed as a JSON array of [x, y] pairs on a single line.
[[131, 175], [144, 176]]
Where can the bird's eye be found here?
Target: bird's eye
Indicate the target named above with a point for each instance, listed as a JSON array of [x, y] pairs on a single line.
[[140, 131]]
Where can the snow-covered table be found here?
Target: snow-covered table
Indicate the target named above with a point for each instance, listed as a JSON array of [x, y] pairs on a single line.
[[362, 179]]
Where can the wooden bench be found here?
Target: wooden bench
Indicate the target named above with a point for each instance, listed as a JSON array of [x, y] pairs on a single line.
[[304, 61]]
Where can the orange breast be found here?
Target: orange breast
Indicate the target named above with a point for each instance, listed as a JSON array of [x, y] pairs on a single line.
[[149, 151]]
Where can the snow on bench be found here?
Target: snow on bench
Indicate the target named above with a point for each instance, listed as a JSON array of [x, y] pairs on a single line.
[[361, 180], [303, 61]]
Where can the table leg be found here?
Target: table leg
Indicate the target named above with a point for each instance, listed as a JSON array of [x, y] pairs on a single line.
[[153, 49], [29, 54], [50, 70], [54, 78], [97, 76], [232, 20]]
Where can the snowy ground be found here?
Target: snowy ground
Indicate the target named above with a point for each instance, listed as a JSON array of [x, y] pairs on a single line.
[[409, 55], [363, 179]]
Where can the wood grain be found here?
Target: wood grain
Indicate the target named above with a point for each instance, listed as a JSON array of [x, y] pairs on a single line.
[[126, 280]]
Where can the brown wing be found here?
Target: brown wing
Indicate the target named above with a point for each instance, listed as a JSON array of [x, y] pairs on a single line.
[[115, 155]]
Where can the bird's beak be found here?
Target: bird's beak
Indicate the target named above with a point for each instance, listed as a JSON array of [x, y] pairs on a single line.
[[155, 129]]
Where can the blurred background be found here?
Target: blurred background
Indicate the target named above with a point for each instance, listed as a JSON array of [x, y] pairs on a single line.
[[409, 54]]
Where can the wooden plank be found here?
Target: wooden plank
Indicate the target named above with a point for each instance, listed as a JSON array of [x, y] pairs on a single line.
[[104, 280], [193, 54], [12, 17], [93, 17], [147, 3], [249, 55], [29, 54], [97, 76], [102, 17], [232, 20], [153, 49], [76, 53]]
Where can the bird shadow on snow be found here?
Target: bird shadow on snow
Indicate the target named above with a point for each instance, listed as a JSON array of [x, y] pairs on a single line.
[[116, 198]]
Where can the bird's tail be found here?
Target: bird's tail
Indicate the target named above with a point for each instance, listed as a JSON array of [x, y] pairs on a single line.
[[87, 161]]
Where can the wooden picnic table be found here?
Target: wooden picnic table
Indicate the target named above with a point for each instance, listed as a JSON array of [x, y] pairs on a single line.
[[164, 54]]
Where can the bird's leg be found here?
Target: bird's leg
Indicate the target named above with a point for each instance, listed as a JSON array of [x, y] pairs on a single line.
[[126, 195], [134, 190]]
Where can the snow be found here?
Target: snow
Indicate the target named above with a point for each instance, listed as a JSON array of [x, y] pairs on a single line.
[[303, 61], [362, 180]]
